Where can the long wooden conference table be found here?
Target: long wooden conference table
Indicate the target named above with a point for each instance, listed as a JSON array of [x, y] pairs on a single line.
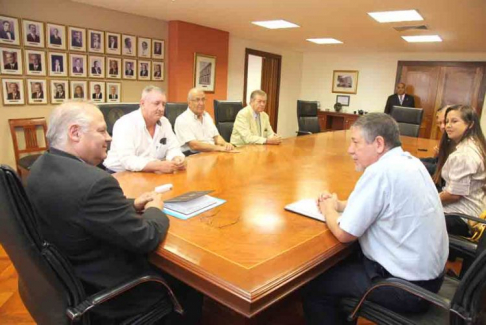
[[249, 252]]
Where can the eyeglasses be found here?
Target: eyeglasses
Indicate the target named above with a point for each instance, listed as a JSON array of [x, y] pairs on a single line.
[[196, 100]]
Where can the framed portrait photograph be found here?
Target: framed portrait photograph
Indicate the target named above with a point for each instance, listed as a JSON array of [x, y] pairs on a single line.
[[158, 70], [35, 62], [79, 89], [33, 33], [130, 69], [77, 39], [343, 100], [112, 41], [129, 45], [144, 47], [77, 63], [13, 92], [59, 91], [158, 49], [96, 41], [58, 64], [97, 91], [10, 61], [96, 66], [114, 92], [56, 36], [113, 66], [144, 68], [345, 81], [36, 91], [9, 30], [204, 71]]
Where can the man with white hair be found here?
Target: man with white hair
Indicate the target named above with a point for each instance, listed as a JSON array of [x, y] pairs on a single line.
[[195, 128], [84, 213], [143, 140]]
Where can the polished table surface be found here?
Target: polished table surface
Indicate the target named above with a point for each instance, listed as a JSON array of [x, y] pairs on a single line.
[[249, 252]]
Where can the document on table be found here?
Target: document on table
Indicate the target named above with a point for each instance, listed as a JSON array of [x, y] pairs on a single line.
[[306, 207], [188, 209]]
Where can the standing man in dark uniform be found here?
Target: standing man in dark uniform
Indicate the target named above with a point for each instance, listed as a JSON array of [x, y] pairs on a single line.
[[399, 99]]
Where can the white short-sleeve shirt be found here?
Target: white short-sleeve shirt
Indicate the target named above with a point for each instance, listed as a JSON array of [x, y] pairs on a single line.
[[396, 212], [188, 128], [464, 173], [132, 146]]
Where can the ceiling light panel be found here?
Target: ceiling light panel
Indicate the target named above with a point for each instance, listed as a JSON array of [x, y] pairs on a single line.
[[422, 38], [396, 16], [275, 24], [324, 41]]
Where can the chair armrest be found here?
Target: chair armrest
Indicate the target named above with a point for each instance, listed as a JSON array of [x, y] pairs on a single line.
[[460, 215], [407, 286], [75, 313], [462, 245], [303, 132]]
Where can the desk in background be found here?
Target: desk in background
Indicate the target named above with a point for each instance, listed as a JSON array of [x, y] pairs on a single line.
[[249, 253], [335, 121]]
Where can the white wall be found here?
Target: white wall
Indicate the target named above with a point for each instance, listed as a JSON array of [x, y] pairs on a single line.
[[377, 72], [254, 76], [290, 83]]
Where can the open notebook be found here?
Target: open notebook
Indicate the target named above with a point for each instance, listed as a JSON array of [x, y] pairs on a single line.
[[306, 207]]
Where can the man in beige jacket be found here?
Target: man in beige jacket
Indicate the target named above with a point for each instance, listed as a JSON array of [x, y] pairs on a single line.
[[252, 125]]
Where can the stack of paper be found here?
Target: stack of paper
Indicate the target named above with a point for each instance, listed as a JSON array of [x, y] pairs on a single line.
[[306, 207], [190, 204]]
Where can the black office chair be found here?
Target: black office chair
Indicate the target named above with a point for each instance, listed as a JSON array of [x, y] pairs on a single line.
[[112, 112], [408, 119], [47, 283], [458, 302], [173, 110], [307, 117], [225, 112]]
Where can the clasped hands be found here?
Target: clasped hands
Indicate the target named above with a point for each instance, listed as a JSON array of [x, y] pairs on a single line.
[[326, 201]]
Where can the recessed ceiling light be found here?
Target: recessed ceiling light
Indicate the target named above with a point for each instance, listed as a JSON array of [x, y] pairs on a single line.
[[275, 24], [422, 38], [395, 16], [324, 41]]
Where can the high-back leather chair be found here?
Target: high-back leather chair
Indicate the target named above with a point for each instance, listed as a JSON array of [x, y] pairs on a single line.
[[173, 110], [47, 284], [26, 156], [408, 119], [307, 117], [225, 112], [112, 112]]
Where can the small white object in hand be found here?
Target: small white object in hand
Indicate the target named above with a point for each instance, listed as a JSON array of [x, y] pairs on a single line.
[[163, 188]]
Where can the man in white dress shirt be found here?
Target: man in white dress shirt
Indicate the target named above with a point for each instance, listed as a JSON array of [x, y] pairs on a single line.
[[195, 128], [143, 140], [396, 215]]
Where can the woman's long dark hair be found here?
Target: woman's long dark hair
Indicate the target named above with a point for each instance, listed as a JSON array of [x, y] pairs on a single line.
[[473, 131]]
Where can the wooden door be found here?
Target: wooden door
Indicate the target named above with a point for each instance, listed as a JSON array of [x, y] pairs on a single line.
[[270, 82], [437, 84]]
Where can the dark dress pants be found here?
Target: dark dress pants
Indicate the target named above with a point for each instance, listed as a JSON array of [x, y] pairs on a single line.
[[352, 278]]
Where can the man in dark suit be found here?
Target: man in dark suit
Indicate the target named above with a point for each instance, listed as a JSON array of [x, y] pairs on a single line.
[[157, 73], [95, 69], [94, 224], [399, 99], [60, 94], [143, 70], [55, 38], [112, 43], [76, 39], [37, 92], [35, 65], [11, 61], [6, 33], [129, 70], [113, 67], [14, 91], [97, 94], [113, 94], [78, 66], [32, 36]]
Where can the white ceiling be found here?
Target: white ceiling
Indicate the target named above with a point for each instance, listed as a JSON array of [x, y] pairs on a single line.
[[460, 23]]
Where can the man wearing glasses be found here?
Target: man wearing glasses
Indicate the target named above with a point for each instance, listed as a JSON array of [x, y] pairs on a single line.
[[195, 128], [143, 140]]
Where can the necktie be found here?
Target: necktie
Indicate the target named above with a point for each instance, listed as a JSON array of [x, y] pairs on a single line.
[[401, 99], [259, 124]]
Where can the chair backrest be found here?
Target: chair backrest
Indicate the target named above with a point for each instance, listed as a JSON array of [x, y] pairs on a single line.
[[30, 127], [408, 119], [225, 112], [470, 296], [47, 284], [112, 112], [307, 116], [172, 110]]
